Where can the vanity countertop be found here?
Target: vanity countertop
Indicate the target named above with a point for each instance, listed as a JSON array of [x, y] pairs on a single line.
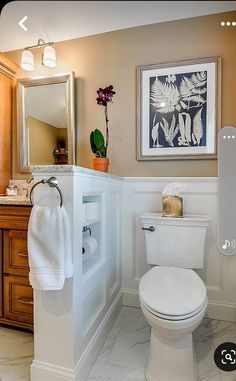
[[12, 200]]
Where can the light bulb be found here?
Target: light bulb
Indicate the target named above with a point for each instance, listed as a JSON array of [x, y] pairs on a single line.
[[49, 56], [27, 60]]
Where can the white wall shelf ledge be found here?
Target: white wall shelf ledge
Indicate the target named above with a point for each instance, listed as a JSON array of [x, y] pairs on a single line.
[[91, 222], [44, 169]]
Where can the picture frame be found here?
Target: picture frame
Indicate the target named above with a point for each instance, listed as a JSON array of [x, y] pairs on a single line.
[[179, 109]]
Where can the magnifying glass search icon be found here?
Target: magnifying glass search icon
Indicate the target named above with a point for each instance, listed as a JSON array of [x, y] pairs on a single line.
[[228, 357]]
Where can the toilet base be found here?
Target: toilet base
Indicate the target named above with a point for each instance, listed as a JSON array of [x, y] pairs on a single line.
[[171, 359]]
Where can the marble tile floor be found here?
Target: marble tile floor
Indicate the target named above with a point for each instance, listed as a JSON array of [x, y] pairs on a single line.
[[124, 353], [16, 354]]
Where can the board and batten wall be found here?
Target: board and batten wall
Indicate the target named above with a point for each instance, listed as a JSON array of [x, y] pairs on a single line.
[[199, 197], [112, 58]]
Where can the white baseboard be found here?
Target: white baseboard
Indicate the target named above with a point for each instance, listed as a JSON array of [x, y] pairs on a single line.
[[215, 310], [221, 311], [41, 371], [130, 298]]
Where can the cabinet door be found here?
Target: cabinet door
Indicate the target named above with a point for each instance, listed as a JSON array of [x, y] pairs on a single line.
[[1, 280], [15, 252], [18, 299]]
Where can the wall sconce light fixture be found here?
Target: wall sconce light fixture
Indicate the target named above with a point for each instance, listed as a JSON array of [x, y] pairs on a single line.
[[27, 60], [49, 55]]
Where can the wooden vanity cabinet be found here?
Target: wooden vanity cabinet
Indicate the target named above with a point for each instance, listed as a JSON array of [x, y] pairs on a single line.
[[16, 306]]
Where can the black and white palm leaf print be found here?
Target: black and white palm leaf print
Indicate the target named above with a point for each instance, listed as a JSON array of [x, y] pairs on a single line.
[[178, 108]]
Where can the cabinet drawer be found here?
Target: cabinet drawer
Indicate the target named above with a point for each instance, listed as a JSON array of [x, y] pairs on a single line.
[[18, 299], [15, 252]]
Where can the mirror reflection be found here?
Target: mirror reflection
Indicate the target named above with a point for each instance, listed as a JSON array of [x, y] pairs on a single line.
[[47, 124], [46, 121]]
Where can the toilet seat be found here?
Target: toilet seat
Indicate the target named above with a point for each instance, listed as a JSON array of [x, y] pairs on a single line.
[[172, 293], [172, 317]]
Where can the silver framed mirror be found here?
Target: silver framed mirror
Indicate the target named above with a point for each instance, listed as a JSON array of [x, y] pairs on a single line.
[[45, 121]]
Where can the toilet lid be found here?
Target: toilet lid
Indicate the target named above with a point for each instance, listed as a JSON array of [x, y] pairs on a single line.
[[172, 291]]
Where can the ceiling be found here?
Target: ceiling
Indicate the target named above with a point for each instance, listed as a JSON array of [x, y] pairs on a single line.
[[65, 20]]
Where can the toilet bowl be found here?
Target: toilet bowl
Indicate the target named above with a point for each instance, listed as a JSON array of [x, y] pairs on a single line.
[[174, 302]]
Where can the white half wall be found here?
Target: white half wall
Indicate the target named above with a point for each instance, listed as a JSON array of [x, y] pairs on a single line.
[[199, 197], [72, 324]]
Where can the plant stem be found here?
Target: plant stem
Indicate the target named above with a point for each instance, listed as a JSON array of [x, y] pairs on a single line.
[[107, 132]]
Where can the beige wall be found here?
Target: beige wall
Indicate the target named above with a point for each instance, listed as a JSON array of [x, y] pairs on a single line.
[[112, 58], [42, 141], [62, 133]]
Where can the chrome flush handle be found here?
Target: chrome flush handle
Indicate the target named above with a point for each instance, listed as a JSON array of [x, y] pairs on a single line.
[[151, 229]]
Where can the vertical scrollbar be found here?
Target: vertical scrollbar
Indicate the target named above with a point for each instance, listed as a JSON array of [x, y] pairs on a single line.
[[227, 190]]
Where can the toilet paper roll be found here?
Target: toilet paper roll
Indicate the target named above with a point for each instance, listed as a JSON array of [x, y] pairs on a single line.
[[89, 247]]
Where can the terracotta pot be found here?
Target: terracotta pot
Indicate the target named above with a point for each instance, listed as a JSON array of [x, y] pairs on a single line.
[[101, 164]]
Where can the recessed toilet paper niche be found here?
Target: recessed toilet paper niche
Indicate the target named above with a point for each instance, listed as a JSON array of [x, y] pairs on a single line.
[[92, 231]]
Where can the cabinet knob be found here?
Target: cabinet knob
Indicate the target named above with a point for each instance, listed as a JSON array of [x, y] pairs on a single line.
[[22, 254], [25, 301]]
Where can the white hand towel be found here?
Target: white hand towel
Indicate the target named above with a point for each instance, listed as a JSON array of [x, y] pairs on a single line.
[[49, 246]]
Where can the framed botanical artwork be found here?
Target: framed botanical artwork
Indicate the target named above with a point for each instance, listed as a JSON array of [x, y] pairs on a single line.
[[179, 110]]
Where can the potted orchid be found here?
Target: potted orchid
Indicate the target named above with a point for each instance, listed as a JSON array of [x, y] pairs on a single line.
[[98, 144]]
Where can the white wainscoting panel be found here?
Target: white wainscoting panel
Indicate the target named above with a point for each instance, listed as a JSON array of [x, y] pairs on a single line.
[[200, 197]]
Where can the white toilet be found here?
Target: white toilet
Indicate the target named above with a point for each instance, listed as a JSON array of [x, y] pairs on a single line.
[[172, 296]]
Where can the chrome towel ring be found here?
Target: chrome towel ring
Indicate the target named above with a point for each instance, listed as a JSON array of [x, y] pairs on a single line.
[[52, 182]]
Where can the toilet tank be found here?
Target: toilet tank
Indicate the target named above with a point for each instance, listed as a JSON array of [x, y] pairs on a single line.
[[177, 242]]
